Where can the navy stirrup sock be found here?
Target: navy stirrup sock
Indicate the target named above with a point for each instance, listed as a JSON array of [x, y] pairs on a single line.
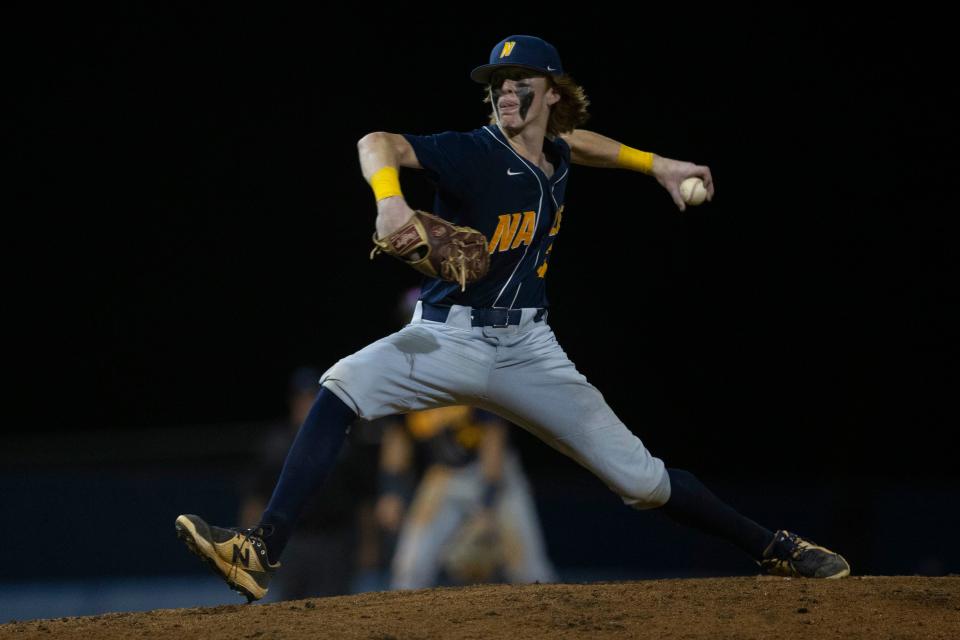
[[309, 461], [692, 504]]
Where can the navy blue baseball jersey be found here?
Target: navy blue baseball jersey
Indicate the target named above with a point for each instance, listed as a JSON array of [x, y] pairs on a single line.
[[482, 182]]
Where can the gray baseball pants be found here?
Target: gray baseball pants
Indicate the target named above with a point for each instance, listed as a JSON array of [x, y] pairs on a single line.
[[519, 372]]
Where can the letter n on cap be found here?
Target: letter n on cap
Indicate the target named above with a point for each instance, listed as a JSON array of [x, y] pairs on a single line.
[[507, 49]]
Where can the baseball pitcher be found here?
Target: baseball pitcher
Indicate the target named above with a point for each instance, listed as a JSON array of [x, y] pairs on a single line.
[[480, 334]]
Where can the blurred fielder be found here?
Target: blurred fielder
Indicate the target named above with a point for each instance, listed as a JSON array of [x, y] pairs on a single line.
[[472, 515]]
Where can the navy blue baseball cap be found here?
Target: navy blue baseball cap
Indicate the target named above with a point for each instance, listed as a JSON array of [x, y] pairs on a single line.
[[527, 52]]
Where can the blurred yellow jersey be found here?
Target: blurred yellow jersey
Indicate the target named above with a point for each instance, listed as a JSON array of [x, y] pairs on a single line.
[[451, 434]]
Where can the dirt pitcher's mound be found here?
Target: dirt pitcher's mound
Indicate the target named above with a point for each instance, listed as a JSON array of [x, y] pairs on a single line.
[[859, 607]]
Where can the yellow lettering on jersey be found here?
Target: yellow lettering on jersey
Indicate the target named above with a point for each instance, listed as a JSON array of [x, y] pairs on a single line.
[[506, 229], [525, 235], [555, 229], [507, 48], [542, 269]]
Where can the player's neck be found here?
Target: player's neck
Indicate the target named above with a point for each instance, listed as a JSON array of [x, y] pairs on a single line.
[[528, 141]]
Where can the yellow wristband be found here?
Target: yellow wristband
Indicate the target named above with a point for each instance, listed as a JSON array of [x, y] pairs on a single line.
[[634, 159], [385, 183]]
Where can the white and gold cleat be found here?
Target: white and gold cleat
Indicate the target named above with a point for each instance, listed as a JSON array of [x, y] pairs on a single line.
[[791, 556], [239, 556]]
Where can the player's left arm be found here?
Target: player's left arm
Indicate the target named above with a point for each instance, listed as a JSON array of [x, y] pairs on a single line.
[[594, 150]]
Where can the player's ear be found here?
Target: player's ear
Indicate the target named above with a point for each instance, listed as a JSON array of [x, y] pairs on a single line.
[[552, 95]]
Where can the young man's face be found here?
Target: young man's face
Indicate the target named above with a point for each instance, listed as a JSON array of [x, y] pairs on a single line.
[[519, 98]]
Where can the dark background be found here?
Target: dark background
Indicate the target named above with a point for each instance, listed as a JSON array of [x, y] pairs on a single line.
[[189, 223]]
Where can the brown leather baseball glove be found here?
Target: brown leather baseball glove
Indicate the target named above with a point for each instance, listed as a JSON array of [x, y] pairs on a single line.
[[476, 551], [436, 248]]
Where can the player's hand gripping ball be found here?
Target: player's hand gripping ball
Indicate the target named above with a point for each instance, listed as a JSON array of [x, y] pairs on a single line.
[[692, 191], [436, 248]]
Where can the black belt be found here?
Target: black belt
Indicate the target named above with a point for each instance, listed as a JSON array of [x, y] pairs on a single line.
[[479, 317]]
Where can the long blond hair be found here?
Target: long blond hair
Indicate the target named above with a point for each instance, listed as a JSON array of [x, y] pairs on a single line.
[[566, 115]]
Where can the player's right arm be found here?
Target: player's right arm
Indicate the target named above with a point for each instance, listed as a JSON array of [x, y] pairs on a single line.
[[379, 151], [594, 150]]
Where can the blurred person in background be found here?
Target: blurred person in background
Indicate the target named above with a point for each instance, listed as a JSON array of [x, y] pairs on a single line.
[[473, 485]]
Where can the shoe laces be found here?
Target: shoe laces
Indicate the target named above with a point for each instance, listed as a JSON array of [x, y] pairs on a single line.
[[798, 546], [254, 537], [793, 547]]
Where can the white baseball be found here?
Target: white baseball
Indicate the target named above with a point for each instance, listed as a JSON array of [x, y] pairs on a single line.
[[692, 191]]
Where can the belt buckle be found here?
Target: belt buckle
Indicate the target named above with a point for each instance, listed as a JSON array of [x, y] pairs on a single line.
[[496, 314]]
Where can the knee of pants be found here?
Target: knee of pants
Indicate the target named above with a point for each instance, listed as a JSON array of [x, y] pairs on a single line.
[[333, 379], [343, 369], [351, 381], [650, 493]]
